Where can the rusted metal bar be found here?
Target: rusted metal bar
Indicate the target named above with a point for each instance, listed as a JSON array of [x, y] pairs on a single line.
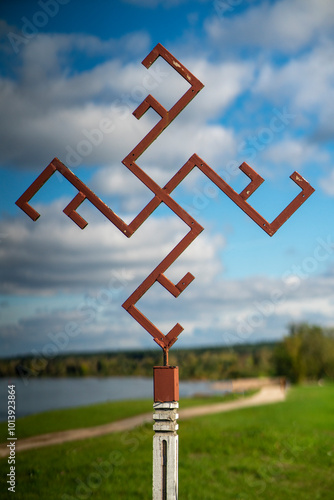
[[163, 195]]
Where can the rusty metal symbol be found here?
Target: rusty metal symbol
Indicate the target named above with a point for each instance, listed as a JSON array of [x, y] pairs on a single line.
[[163, 195]]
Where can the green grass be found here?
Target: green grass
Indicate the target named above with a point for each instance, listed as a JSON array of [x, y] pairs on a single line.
[[281, 451], [98, 414]]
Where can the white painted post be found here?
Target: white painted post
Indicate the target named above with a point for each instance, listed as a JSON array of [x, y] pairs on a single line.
[[165, 451]]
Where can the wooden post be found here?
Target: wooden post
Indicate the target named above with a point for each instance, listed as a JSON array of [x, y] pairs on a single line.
[[165, 451], [165, 440]]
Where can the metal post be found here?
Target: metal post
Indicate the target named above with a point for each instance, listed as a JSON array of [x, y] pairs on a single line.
[[165, 451]]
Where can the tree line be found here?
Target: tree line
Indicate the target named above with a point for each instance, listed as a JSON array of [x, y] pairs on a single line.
[[306, 353]]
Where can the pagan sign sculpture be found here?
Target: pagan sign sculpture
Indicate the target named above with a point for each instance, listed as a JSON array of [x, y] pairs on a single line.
[[164, 195]]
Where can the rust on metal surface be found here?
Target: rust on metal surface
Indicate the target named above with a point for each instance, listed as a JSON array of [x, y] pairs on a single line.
[[165, 383], [163, 195]]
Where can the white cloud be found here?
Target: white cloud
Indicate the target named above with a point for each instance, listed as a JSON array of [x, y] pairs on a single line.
[[285, 25], [212, 311], [307, 79], [86, 118], [327, 183], [127, 191], [224, 82], [39, 260], [305, 85], [49, 109], [52, 257], [295, 153]]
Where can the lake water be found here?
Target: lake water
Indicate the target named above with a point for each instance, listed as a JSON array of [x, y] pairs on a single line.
[[36, 395]]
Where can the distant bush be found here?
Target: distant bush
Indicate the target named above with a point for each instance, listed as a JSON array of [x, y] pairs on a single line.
[[307, 353], [211, 363]]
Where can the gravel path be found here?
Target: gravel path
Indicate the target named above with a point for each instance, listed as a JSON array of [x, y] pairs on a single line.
[[267, 395]]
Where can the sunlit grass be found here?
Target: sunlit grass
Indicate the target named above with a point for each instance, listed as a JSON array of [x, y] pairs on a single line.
[[97, 414], [279, 451]]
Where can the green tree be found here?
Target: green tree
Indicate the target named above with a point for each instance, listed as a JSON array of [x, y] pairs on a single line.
[[306, 353]]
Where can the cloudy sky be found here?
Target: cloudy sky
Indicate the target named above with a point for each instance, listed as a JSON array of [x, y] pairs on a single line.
[[68, 67]]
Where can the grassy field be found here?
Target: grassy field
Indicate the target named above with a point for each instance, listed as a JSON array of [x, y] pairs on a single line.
[[97, 414], [281, 451]]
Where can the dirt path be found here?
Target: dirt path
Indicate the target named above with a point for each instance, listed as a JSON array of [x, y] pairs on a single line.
[[267, 395]]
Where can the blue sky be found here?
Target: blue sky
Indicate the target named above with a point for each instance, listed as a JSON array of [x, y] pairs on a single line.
[[65, 65]]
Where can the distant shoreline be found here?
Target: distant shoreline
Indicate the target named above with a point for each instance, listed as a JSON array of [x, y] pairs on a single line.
[[213, 363]]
